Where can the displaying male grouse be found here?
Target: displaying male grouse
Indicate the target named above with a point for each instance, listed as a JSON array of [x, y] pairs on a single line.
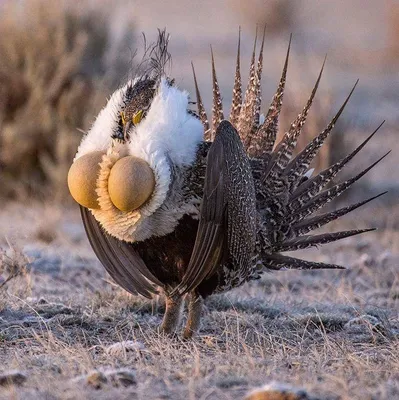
[[171, 203]]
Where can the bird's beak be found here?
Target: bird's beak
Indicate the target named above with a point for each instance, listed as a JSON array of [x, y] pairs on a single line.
[[126, 129]]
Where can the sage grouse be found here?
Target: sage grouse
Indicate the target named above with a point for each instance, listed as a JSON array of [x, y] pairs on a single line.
[[175, 204]]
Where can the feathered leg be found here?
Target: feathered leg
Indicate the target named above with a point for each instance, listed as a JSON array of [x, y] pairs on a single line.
[[172, 315], [194, 315]]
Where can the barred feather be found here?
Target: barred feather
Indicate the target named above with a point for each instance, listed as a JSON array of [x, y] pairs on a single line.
[[255, 98], [217, 109], [303, 242], [201, 108], [237, 90], [259, 71], [263, 142], [245, 121], [278, 261]]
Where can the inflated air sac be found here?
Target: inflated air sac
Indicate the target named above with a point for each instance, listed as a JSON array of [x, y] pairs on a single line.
[[82, 177], [131, 183]]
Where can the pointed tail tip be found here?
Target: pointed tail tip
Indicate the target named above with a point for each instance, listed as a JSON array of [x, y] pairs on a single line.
[[287, 57], [325, 59], [290, 41], [378, 127], [386, 154], [255, 41], [264, 34], [381, 194]]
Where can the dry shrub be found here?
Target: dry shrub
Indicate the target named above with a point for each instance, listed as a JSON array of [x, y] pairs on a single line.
[[52, 62], [13, 263]]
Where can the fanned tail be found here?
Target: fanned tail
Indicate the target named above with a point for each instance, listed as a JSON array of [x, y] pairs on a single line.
[[288, 196]]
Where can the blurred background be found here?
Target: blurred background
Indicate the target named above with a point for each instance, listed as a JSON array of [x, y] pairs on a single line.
[[60, 60]]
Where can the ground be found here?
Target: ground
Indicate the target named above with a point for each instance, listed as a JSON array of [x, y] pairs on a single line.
[[333, 334]]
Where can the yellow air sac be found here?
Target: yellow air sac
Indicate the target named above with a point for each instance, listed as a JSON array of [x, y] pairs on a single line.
[[131, 183], [82, 177]]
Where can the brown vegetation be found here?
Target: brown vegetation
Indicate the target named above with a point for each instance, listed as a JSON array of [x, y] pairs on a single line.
[[51, 75]]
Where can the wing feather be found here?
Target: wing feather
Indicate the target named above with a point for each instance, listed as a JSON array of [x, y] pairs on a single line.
[[227, 230], [119, 258]]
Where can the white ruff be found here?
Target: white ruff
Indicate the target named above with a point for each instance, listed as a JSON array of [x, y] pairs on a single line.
[[99, 135], [167, 137]]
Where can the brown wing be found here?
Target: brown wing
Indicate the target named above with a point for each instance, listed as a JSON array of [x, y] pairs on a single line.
[[119, 258], [227, 231]]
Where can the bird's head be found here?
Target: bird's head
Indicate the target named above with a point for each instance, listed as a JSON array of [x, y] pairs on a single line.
[[126, 164], [137, 103]]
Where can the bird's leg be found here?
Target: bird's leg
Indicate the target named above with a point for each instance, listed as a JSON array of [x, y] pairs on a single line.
[[172, 314], [194, 315]]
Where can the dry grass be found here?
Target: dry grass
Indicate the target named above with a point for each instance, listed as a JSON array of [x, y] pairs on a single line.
[[14, 277], [333, 334]]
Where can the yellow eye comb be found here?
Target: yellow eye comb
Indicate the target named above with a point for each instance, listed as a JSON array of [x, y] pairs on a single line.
[[123, 117], [137, 117]]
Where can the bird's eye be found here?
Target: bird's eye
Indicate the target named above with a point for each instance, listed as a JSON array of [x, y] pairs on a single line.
[[137, 117]]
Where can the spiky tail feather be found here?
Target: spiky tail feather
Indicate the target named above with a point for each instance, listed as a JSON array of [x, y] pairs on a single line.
[[201, 109], [262, 144], [287, 196]]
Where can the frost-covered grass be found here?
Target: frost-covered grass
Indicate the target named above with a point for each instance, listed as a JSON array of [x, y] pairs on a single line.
[[333, 334]]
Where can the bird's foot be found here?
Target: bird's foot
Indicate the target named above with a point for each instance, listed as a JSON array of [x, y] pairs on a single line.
[[194, 316], [172, 317]]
